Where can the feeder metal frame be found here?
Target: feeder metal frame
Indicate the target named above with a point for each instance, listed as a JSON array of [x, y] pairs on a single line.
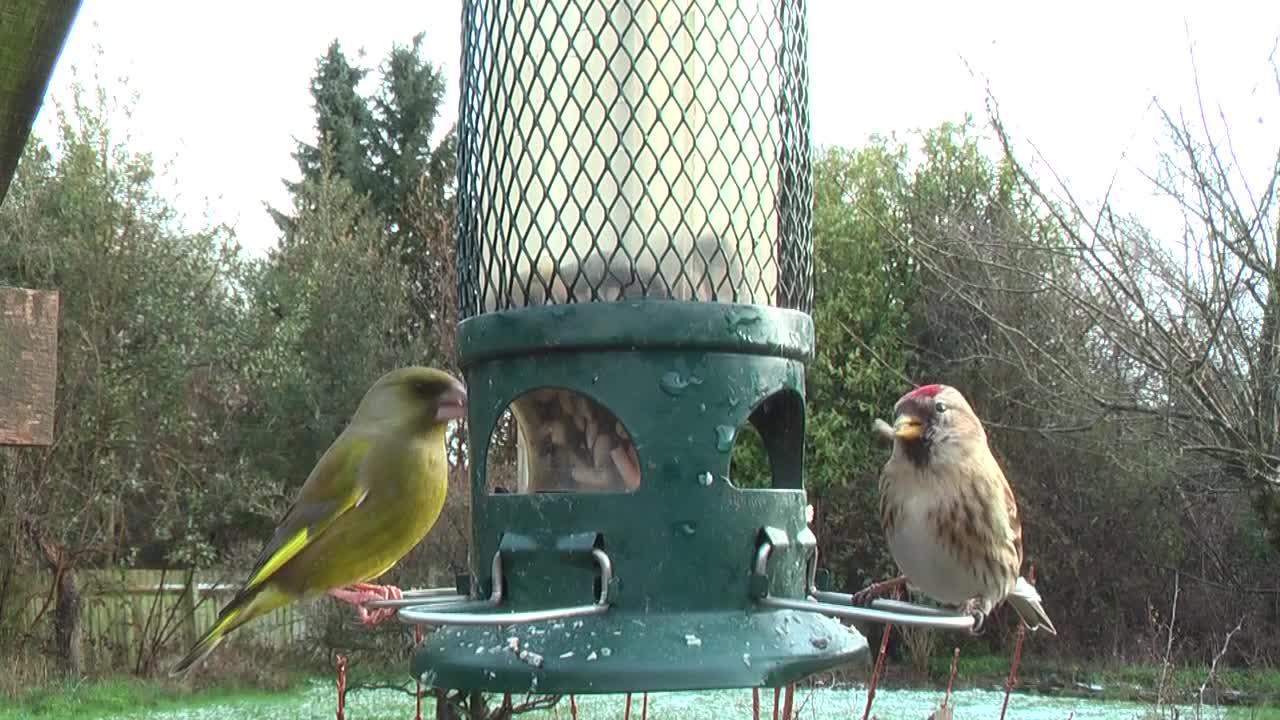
[[462, 613], [633, 149], [841, 605]]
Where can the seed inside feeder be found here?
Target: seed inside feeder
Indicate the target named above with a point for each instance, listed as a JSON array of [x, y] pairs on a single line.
[[569, 443]]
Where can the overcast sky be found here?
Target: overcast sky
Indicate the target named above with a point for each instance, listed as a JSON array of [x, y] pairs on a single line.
[[223, 86]]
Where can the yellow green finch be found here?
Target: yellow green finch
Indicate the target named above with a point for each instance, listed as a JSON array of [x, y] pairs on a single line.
[[372, 497]]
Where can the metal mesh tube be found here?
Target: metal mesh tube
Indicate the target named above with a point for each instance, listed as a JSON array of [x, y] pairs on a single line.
[[617, 149]]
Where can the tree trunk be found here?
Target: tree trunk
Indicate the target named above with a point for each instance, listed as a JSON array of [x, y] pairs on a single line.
[[67, 630], [68, 633]]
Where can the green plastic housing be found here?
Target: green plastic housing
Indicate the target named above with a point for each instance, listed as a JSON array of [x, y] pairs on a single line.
[[684, 378]]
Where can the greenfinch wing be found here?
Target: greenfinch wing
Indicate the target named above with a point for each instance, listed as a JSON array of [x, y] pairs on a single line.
[[331, 490]]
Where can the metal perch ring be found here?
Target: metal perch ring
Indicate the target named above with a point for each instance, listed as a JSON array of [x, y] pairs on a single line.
[[841, 604], [470, 612]]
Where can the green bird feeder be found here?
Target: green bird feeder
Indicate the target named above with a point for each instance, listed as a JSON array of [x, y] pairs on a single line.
[[634, 274]]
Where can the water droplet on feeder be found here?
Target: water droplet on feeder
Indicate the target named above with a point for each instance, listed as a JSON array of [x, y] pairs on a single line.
[[688, 528], [738, 319], [702, 407], [673, 383], [706, 479], [693, 641], [724, 437]]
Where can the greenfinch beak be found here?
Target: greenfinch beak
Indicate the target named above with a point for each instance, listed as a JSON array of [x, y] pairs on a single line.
[[908, 427], [452, 404]]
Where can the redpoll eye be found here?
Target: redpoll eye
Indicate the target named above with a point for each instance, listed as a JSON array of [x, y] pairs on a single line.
[[940, 407]]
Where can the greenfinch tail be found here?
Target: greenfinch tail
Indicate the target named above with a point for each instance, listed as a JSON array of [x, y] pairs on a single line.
[[255, 603]]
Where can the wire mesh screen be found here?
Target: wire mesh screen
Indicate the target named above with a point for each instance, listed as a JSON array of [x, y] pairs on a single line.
[[618, 149]]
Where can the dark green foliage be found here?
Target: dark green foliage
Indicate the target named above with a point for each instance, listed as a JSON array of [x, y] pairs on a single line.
[[343, 128], [382, 145], [150, 343], [331, 307]]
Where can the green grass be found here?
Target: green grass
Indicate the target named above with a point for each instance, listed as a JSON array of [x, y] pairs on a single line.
[[1271, 712], [1118, 681], [95, 699], [131, 697]]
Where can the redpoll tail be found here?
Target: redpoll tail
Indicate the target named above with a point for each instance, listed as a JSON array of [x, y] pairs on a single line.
[[1026, 602]]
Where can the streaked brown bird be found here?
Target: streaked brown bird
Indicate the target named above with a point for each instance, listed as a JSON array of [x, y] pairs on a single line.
[[948, 512]]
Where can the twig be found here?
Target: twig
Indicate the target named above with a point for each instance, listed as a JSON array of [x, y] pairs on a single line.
[[951, 680], [1012, 680], [1168, 648], [805, 701], [362, 686], [788, 703], [417, 643], [1213, 667], [539, 702], [875, 355], [879, 667], [342, 685]]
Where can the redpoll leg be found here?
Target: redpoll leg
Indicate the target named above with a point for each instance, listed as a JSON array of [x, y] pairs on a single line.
[[975, 606], [875, 590]]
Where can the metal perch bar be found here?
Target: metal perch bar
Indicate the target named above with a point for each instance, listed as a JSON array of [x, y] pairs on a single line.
[[471, 612], [912, 618], [885, 604], [409, 600], [841, 604], [431, 592]]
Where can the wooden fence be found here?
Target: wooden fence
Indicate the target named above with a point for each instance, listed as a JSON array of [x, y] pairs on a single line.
[[125, 610]]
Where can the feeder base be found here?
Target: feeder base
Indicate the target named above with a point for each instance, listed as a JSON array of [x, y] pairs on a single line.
[[639, 652]]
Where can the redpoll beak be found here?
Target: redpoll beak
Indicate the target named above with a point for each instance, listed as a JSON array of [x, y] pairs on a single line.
[[908, 427]]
